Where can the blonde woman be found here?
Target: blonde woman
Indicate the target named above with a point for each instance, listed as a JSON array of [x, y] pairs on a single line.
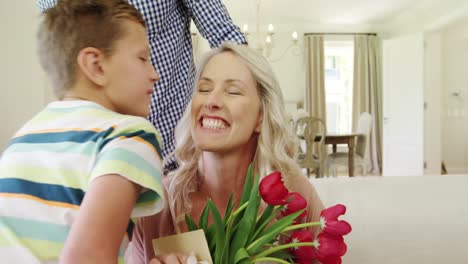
[[236, 117]]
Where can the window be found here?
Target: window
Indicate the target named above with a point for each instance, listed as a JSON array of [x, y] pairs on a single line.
[[331, 70], [339, 64]]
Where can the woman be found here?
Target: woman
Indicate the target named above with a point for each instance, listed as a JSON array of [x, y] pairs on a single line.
[[236, 117]]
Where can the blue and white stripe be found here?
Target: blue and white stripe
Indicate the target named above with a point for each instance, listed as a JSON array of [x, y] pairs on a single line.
[[51, 161]]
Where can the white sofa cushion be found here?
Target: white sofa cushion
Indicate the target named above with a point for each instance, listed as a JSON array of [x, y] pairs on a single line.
[[398, 220]]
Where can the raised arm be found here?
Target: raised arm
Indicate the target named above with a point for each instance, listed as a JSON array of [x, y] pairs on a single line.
[[213, 21]]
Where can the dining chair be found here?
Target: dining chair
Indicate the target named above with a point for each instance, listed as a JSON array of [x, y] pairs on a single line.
[[340, 159], [314, 155]]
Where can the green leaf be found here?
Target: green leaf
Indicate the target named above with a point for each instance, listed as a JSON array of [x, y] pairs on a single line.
[[266, 217], [230, 206], [235, 214], [210, 238], [244, 261], [270, 250], [270, 260], [220, 235], [245, 193], [203, 222], [253, 211], [190, 223], [272, 232], [228, 225], [247, 185], [247, 222], [231, 225], [282, 254], [240, 255]]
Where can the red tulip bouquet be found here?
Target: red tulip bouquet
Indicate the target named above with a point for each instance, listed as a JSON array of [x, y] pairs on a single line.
[[275, 235]]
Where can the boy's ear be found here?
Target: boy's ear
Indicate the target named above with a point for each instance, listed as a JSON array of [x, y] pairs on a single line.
[[91, 63]]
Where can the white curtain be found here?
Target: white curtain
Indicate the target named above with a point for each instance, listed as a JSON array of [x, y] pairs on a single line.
[[367, 93], [315, 77]]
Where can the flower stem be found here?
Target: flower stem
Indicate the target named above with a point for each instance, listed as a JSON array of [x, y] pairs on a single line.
[[298, 226], [276, 209], [237, 211], [284, 246], [270, 259]]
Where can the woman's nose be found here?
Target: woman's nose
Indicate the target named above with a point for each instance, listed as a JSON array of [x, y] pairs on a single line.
[[214, 100]]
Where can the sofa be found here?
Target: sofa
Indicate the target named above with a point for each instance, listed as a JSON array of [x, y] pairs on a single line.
[[399, 220]]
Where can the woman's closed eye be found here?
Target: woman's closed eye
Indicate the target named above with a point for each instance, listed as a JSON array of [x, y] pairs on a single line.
[[143, 59], [204, 89], [234, 91]]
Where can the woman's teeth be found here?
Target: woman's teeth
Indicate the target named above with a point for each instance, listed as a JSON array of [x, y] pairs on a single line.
[[213, 124]]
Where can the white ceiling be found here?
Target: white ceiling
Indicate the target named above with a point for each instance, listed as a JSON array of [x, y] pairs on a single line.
[[330, 12]]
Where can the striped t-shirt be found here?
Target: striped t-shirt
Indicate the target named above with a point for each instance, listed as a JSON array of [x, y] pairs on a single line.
[[49, 163]]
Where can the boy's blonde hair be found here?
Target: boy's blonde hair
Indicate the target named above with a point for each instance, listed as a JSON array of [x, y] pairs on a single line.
[[276, 146], [72, 25]]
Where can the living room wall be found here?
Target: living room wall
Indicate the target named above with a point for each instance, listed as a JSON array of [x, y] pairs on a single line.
[[23, 83]]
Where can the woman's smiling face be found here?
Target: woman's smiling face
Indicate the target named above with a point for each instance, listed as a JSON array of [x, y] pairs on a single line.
[[226, 107]]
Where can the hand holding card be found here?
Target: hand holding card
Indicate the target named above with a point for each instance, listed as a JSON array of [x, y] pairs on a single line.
[[189, 243]]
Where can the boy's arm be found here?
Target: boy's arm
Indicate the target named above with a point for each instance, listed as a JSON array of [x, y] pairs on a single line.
[[97, 233], [213, 21]]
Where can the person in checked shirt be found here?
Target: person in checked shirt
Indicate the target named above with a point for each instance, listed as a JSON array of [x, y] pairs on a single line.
[[168, 24]]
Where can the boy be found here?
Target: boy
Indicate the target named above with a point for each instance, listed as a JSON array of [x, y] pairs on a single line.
[[71, 177]]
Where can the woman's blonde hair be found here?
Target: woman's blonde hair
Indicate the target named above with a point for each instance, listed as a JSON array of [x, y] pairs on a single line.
[[277, 145]]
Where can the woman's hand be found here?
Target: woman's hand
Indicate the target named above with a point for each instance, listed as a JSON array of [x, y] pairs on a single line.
[[176, 259], [170, 259]]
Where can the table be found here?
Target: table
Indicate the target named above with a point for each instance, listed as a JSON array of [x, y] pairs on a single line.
[[348, 139], [342, 138]]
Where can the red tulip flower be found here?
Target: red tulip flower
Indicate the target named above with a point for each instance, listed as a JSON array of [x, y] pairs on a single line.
[[304, 254], [323, 261], [330, 223], [272, 189], [330, 247], [270, 235], [303, 261], [330, 260], [294, 202]]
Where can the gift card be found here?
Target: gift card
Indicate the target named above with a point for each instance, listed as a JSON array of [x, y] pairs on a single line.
[[186, 243]]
